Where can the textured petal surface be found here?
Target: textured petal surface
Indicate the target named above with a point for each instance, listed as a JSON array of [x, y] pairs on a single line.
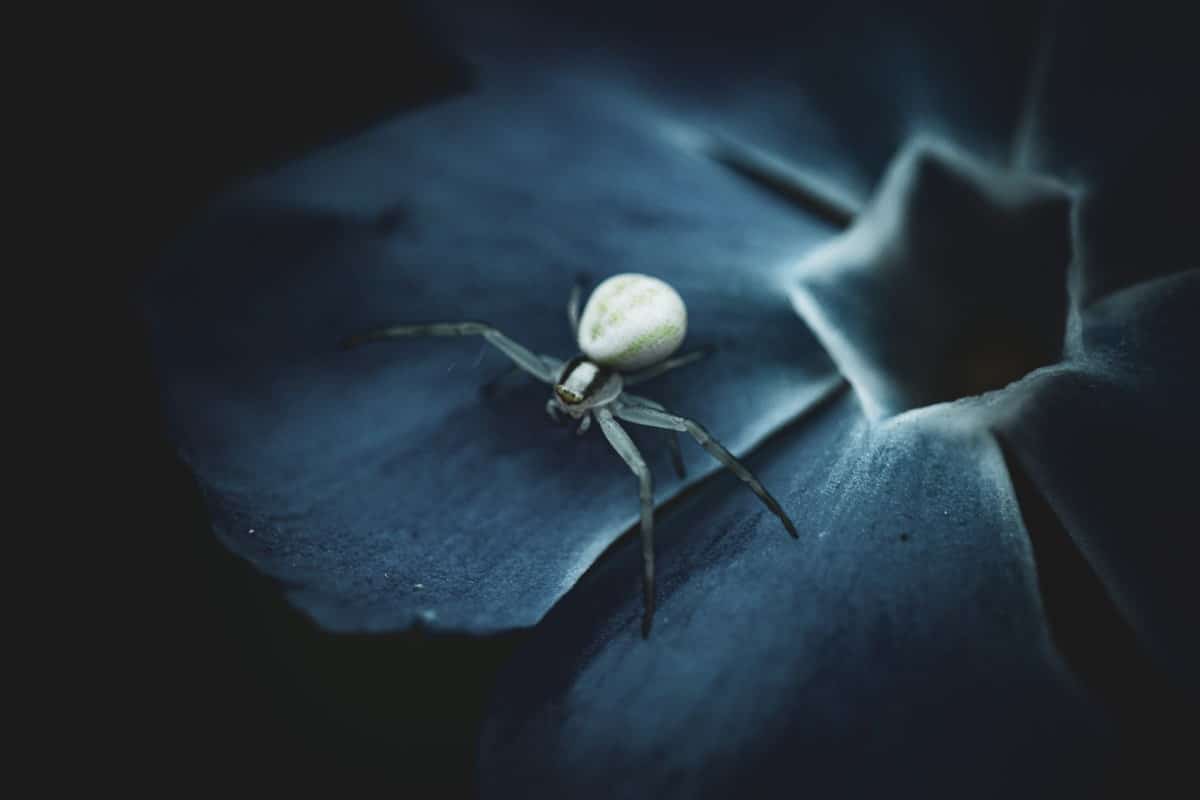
[[378, 485], [899, 643], [1110, 440]]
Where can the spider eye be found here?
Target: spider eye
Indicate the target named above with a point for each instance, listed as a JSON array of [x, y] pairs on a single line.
[[566, 395]]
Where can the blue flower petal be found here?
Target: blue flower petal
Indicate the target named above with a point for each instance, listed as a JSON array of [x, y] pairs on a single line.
[[378, 485], [1107, 439], [899, 644]]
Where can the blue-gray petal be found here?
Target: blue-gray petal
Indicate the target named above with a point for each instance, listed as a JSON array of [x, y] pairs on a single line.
[[379, 486], [1110, 439], [834, 88], [898, 646]]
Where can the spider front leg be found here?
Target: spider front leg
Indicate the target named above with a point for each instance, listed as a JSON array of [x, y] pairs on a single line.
[[573, 304], [625, 448], [544, 368], [644, 415], [584, 424], [672, 436]]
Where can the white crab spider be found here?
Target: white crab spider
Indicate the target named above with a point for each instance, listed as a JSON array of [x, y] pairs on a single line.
[[631, 326]]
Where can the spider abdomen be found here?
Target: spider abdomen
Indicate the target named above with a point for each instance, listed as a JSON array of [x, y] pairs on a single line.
[[632, 321]]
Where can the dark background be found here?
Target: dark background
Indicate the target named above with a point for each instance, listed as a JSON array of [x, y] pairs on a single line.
[[230, 683]]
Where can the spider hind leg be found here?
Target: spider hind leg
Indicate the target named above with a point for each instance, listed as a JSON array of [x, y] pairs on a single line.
[[628, 451], [655, 418], [668, 365]]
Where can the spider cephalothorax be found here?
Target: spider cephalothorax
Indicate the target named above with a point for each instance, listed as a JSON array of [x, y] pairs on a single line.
[[582, 383], [630, 329]]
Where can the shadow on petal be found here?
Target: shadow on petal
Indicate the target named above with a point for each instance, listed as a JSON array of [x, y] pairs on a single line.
[[1109, 440]]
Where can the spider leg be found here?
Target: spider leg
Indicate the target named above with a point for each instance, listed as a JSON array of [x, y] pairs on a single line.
[[644, 415], [668, 365], [584, 424], [573, 306], [672, 436], [552, 409], [676, 454], [544, 368], [625, 448]]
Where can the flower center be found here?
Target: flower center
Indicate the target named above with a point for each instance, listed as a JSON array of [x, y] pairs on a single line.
[[952, 283]]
